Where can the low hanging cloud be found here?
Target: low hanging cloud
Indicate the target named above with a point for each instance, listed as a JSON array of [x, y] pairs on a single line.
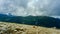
[[30, 7]]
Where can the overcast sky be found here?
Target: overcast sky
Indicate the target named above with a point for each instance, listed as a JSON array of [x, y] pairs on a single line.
[[30, 7]]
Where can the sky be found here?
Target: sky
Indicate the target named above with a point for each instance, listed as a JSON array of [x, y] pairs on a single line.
[[30, 7]]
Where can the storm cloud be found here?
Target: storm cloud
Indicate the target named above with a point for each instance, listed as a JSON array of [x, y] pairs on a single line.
[[30, 7]]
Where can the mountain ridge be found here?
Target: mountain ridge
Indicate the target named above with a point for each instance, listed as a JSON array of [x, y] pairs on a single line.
[[44, 21]]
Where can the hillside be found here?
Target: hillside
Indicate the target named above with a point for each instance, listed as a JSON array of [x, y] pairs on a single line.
[[44, 21], [14, 28]]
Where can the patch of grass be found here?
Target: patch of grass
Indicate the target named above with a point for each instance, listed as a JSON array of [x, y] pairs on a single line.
[[13, 28]]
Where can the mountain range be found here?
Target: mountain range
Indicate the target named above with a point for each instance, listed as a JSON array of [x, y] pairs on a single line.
[[44, 21]]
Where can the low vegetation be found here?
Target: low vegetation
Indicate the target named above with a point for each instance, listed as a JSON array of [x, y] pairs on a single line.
[[14, 28]]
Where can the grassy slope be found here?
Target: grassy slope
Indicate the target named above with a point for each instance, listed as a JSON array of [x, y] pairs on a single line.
[[13, 28]]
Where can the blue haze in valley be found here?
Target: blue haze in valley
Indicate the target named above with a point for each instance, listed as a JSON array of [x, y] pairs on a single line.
[[30, 7]]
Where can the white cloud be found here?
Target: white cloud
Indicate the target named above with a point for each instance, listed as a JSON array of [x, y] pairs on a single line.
[[30, 7], [56, 16]]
